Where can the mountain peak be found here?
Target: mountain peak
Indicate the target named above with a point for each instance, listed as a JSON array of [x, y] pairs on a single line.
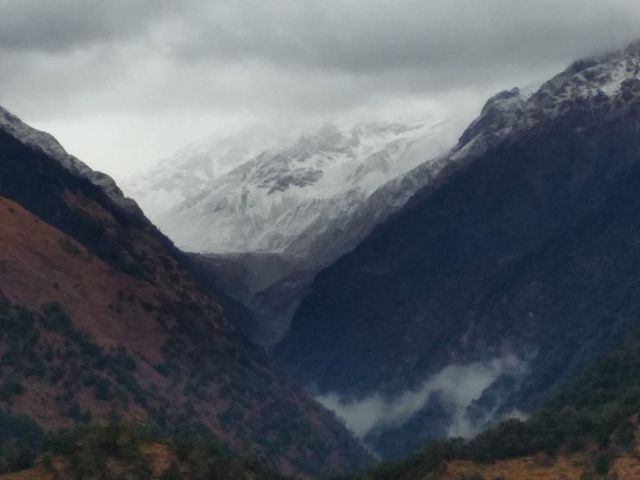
[[48, 144], [590, 77], [504, 100], [265, 203], [611, 79], [499, 116]]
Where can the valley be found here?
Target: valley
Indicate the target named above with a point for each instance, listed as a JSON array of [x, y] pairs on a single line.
[[374, 297]]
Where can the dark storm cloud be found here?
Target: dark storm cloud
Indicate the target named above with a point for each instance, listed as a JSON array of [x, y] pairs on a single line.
[[347, 35], [373, 35], [58, 25]]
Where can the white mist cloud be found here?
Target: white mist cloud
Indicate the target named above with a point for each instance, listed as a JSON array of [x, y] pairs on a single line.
[[457, 385]]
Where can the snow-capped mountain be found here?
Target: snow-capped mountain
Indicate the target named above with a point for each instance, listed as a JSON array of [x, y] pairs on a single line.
[[282, 193], [525, 244], [275, 208], [192, 169], [606, 80], [270, 210]]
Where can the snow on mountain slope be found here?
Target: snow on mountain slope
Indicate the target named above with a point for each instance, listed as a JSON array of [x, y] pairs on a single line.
[[269, 210], [194, 167], [48, 144], [286, 192], [269, 192], [312, 198], [605, 79], [602, 79]]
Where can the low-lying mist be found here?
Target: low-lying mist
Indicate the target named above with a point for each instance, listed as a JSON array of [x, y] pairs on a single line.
[[456, 385]]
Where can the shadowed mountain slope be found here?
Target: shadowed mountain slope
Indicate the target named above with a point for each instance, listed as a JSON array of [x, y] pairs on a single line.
[[527, 245], [101, 317]]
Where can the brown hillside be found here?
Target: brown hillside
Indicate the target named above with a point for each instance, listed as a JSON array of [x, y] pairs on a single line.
[[151, 347], [565, 467]]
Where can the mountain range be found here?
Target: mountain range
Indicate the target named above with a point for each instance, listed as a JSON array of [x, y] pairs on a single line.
[[266, 216], [357, 291]]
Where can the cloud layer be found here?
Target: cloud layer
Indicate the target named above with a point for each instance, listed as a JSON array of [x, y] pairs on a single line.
[[455, 385], [104, 75]]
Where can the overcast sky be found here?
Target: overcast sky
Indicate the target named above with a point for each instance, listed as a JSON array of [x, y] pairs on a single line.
[[123, 83]]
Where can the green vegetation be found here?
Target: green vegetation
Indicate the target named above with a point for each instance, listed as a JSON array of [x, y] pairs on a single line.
[[277, 426], [597, 409], [20, 441], [45, 347], [593, 409], [40, 350], [119, 450], [89, 452], [418, 465]]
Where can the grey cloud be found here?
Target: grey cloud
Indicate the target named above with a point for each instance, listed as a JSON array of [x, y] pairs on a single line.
[[375, 35], [301, 55], [77, 61], [59, 25]]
